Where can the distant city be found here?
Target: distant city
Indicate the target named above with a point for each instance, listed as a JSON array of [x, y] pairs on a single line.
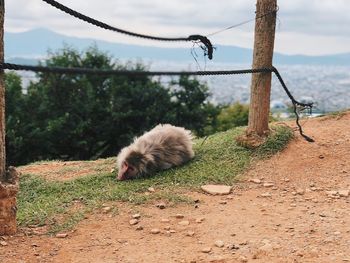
[[327, 86], [324, 80]]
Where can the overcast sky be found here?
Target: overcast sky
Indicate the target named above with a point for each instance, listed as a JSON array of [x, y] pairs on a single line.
[[310, 27]]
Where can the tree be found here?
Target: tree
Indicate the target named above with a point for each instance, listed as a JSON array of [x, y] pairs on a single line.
[[190, 106], [15, 117], [70, 117]]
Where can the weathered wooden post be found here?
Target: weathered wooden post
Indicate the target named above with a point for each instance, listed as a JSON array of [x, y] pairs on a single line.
[[261, 82], [8, 179]]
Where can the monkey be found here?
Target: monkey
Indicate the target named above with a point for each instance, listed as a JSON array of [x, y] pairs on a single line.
[[161, 148]]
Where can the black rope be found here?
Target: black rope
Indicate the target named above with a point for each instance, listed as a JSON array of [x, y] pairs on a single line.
[[64, 70], [295, 104], [206, 42], [72, 70]]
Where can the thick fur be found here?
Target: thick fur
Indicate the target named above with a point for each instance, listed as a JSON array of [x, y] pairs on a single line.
[[163, 147]]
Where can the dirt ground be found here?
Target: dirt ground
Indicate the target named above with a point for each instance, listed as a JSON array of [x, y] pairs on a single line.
[[294, 207]]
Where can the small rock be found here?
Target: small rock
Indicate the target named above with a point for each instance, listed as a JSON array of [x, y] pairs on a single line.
[[161, 205], [217, 189], [167, 228], [206, 250], [172, 231], [199, 220], [139, 228], [106, 209], [133, 221], [219, 243], [184, 223], [151, 189], [268, 185], [321, 156], [266, 248], [332, 193], [344, 193], [328, 240], [3, 243], [179, 216], [243, 259], [190, 233], [61, 235], [232, 247], [223, 202], [300, 191], [265, 194], [255, 180], [155, 231], [300, 254], [136, 216], [165, 220]]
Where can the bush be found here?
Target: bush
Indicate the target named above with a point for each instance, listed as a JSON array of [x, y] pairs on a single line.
[[232, 116]]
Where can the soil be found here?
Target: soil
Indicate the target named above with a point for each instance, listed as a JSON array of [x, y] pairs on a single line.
[[293, 207]]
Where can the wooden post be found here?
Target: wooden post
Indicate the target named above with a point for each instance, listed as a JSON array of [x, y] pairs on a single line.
[[8, 179], [261, 82], [2, 96]]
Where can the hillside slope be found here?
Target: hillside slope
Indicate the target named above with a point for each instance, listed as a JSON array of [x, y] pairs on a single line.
[[293, 207]]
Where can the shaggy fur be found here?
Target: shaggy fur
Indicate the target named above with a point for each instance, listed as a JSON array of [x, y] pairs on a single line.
[[163, 147]]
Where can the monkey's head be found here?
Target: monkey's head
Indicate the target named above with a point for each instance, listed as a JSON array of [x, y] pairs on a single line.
[[132, 166], [126, 172]]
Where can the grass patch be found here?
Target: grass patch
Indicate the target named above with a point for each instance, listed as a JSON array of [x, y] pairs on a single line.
[[218, 160]]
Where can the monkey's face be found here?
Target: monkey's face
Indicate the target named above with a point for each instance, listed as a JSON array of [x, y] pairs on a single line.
[[126, 172]]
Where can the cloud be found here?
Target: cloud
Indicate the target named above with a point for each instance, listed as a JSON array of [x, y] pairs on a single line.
[[305, 19]]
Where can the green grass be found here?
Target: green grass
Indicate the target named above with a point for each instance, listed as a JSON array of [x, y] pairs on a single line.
[[218, 160]]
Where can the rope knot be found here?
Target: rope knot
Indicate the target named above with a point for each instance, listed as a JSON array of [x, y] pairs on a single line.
[[206, 42]]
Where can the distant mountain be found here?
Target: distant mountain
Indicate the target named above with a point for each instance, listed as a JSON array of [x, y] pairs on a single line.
[[28, 47]]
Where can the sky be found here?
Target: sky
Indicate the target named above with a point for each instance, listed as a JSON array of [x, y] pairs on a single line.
[[309, 27]]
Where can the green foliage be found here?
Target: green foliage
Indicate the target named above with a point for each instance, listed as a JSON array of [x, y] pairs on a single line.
[[80, 117], [190, 106], [218, 160], [16, 118], [232, 116]]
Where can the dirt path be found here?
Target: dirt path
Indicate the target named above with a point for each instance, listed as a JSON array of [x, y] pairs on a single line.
[[293, 207]]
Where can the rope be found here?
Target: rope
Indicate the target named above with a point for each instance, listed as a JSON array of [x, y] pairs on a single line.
[[64, 70], [245, 22], [295, 105], [205, 41]]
